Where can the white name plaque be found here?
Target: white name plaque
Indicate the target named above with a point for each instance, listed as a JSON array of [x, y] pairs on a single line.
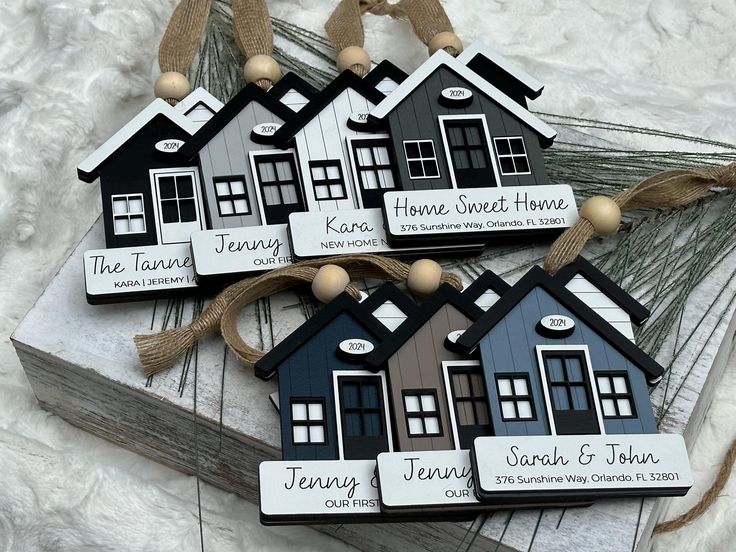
[[479, 211], [581, 465]]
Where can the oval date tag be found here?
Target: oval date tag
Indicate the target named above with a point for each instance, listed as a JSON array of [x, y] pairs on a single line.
[[169, 146], [456, 96], [355, 348], [556, 325], [266, 130]]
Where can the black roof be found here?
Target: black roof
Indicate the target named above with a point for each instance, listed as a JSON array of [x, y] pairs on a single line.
[[487, 280], [251, 93], [292, 81], [536, 277], [346, 79], [383, 70], [446, 294], [267, 366], [389, 292], [636, 310]]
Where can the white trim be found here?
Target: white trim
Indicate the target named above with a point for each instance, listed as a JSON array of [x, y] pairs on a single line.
[[441, 120], [127, 213], [421, 159], [478, 47], [440, 58], [591, 377], [338, 416], [512, 155], [196, 97], [257, 185], [446, 365], [157, 217], [117, 140], [352, 162]]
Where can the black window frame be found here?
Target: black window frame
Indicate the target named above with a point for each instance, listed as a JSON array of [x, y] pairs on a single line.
[[481, 147], [376, 166], [422, 414], [511, 155], [231, 196], [567, 384], [421, 159], [361, 410], [177, 199], [262, 159], [615, 396], [514, 397], [327, 181], [308, 423], [473, 399]]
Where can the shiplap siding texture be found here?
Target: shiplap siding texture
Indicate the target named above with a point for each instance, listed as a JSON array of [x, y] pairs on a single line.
[[601, 304]]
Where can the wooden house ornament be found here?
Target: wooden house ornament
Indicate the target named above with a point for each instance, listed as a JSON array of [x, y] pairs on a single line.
[[293, 91], [151, 202]]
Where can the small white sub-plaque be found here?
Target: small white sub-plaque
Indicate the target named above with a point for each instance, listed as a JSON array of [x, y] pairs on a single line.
[[456, 94], [266, 130], [579, 466], [236, 251], [137, 272], [355, 347], [479, 211], [556, 325], [312, 490], [318, 234], [169, 146], [426, 479]]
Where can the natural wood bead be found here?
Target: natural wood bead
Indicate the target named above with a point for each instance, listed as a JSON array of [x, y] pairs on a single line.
[[603, 213], [443, 40], [353, 55], [262, 67], [329, 282], [424, 277], [171, 86]]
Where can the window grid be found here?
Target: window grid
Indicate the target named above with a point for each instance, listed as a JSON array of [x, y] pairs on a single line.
[[514, 392], [373, 165], [466, 144], [367, 407], [421, 159], [176, 192], [308, 425], [470, 396], [422, 415], [128, 214], [615, 395], [327, 180], [277, 179], [512, 156], [566, 373], [232, 199]]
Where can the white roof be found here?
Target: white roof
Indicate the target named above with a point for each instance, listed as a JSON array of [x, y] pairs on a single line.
[[199, 96], [478, 47], [440, 58]]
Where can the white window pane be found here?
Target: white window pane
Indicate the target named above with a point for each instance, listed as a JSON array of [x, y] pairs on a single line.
[[520, 386], [241, 206], [135, 205], [507, 408], [298, 411], [333, 172], [525, 409], [608, 407], [226, 207], [504, 387], [363, 155], [301, 434], [381, 154], [432, 424], [415, 426], [237, 186], [336, 190], [267, 172], [428, 404], [137, 224], [271, 195], [120, 206], [283, 169], [318, 173], [412, 403], [386, 178], [369, 180], [322, 192], [604, 385], [316, 434], [222, 188], [315, 411], [122, 226], [289, 193], [624, 407], [619, 384]]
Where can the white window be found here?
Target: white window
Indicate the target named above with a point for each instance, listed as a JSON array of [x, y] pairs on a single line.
[[327, 179], [294, 99], [390, 315], [615, 395], [373, 165], [515, 397], [308, 421], [422, 417], [127, 214], [511, 154], [232, 199], [421, 159]]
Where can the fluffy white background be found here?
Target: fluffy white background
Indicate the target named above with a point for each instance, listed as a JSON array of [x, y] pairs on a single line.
[[72, 71]]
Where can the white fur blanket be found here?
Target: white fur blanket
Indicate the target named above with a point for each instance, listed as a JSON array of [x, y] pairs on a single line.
[[72, 71]]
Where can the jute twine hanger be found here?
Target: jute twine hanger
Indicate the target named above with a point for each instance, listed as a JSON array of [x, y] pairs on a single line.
[[599, 215]]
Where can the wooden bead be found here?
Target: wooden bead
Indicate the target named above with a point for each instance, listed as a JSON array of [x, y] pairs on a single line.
[[262, 67], [603, 213], [424, 277], [353, 55], [443, 40], [171, 86], [329, 282]]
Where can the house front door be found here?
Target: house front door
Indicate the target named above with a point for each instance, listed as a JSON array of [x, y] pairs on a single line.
[[571, 398], [374, 170], [177, 202], [363, 417], [469, 155], [278, 182], [472, 416]]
